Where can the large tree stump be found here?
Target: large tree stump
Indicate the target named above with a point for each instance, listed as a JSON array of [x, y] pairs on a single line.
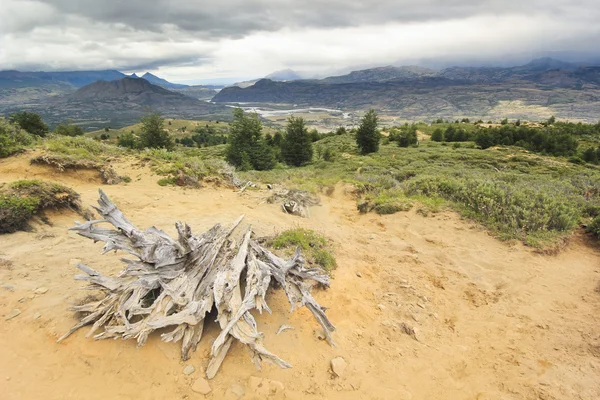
[[177, 282]]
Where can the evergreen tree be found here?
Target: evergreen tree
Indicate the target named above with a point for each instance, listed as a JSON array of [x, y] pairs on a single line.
[[437, 135], [31, 122], [153, 133], [590, 155], [367, 136], [247, 148], [296, 148]]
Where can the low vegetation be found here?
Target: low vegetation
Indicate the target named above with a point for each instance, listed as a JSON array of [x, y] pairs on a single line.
[[21, 200], [13, 139], [315, 247], [525, 181]]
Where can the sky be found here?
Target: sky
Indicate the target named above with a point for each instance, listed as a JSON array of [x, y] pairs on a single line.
[[190, 41]]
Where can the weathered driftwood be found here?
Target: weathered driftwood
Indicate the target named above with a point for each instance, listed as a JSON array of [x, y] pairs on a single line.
[[295, 201], [177, 282]]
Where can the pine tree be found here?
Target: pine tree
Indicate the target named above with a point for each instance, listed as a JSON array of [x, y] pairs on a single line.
[[437, 135], [153, 134], [247, 148], [367, 136], [296, 148]]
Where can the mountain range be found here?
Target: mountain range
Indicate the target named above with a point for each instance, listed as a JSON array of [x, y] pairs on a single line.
[[538, 89]]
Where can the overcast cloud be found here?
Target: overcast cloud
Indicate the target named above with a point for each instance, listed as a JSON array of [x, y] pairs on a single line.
[[188, 40]]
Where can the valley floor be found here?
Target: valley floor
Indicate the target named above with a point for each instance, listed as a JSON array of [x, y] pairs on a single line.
[[492, 320]]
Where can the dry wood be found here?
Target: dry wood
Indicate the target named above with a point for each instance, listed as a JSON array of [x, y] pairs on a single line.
[[177, 282]]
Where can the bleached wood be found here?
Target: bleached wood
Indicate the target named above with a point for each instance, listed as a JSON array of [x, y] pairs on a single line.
[[175, 283]]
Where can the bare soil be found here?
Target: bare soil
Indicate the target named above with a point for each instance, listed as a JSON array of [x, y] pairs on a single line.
[[425, 307]]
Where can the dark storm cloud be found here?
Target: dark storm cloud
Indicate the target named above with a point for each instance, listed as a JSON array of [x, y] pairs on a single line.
[[237, 18], [187, 38]]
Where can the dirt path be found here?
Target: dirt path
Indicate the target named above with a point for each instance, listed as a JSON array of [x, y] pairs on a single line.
[[492, 321]]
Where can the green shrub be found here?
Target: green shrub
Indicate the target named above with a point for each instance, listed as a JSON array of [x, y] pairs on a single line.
[[594, 227], [315, 247], [13, 139], [21, 200]]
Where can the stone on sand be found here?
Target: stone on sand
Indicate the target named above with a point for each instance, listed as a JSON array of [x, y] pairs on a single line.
[[201, 386], [189, 370], [12, 314], [338, 366]]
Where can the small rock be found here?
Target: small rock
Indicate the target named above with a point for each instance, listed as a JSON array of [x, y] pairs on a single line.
[[37, 315], [269, 186], [10, 288], [41, 290], [201, 386], [189, 370], [359, 274], [338, 366], [235, 392], [319, 334], [421, 305], [12, 314], [381, 307], [22, 300]]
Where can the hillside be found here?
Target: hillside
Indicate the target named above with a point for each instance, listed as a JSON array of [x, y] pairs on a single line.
[[531, 91], [18, 79], [121, 103], [381, 74]]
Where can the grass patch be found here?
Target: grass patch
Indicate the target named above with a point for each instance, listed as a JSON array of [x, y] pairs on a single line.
[[21, 200], [384, 202], [532, 198], [315, 247]]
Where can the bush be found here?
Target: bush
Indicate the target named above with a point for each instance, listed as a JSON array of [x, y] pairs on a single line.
[[128, 140], [594, 227], [68, 129], [13, 139], [21, 200]]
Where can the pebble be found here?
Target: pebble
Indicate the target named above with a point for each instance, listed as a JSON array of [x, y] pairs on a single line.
[[381, 307], [12, 314], [37, 315], [338, 366], [421, 305], [235, 392], [41, 290], [201, 386], [189, 370], [359, 274], [319, 334]]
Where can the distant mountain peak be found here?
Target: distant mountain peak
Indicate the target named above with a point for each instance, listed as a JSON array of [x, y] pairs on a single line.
[[284, 75], [162, 82]]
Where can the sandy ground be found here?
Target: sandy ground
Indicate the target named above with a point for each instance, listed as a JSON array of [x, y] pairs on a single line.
[[492, 320]]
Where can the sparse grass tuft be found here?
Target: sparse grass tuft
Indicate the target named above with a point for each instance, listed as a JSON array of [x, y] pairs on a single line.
[[315, 247]]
